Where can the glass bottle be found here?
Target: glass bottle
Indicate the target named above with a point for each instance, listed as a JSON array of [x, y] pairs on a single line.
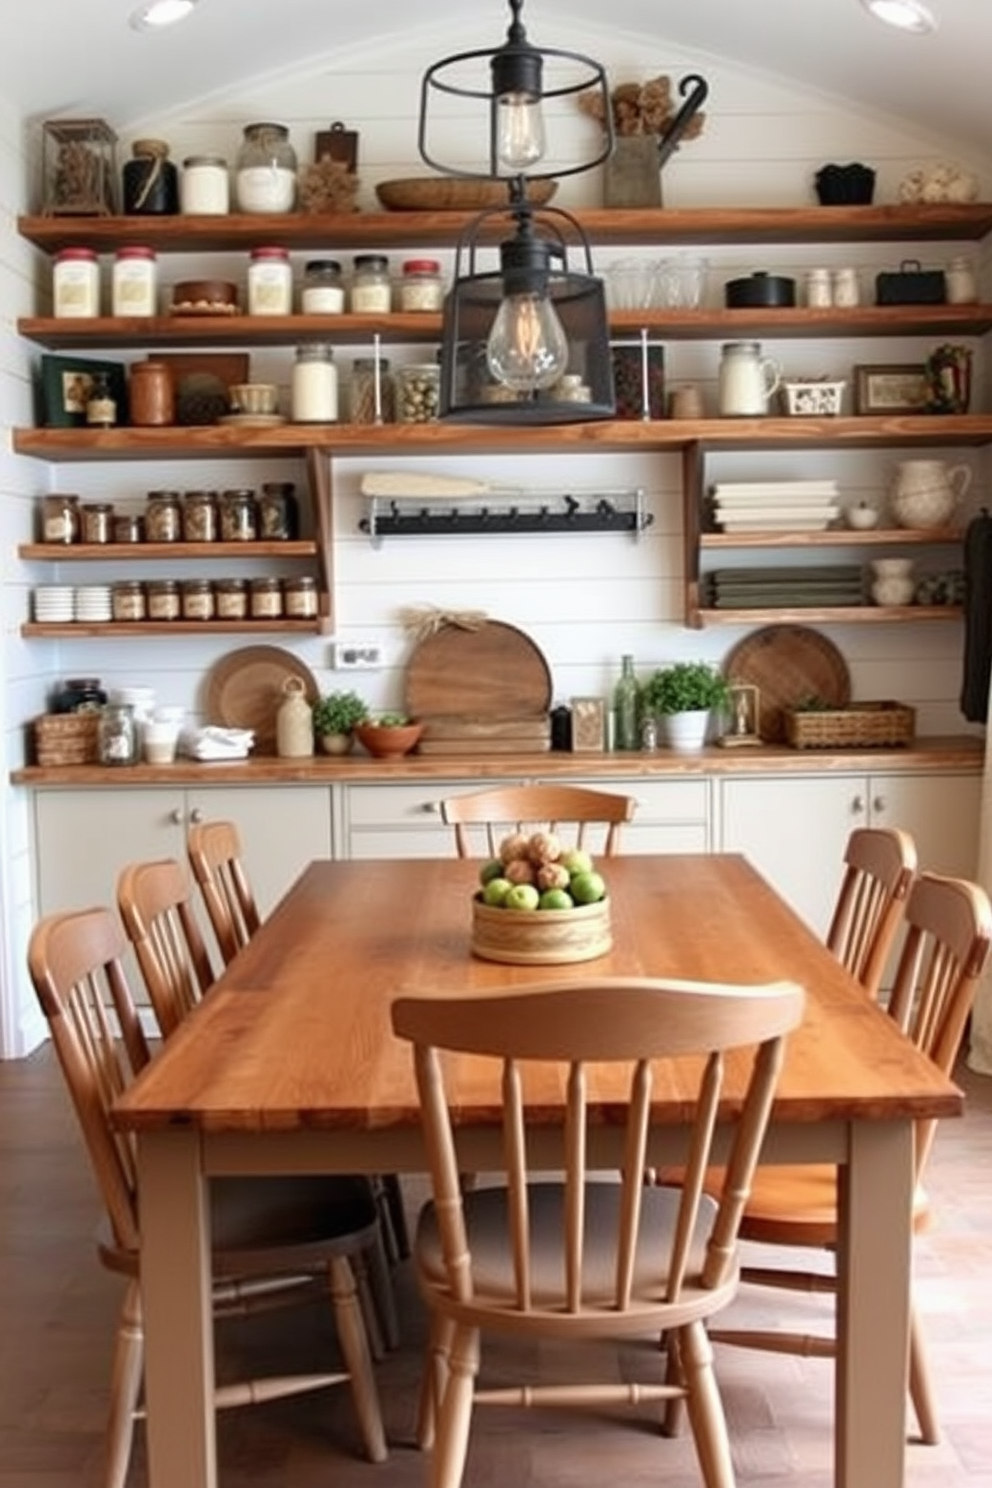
[[101, 405], [421, 287], [265, 170], [625, 734]]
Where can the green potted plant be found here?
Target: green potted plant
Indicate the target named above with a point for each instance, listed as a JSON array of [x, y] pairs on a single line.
[[335, 716], [681, 697], [388, 735]]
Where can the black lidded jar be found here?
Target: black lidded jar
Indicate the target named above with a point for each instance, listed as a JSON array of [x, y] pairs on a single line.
[[151, 181], [79, 695]]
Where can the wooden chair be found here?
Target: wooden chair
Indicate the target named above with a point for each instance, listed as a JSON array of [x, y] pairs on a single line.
[[880, 865], [274, 1243], [561, 808], [155, 903], [215, 856], [577, 1259], [948, 932]]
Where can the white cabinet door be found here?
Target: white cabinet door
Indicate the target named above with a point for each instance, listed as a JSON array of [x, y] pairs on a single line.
[[282, 828], [941, 811], [83, 839]]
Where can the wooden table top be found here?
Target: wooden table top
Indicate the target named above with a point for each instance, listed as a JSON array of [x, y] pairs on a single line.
[[296, 1035]]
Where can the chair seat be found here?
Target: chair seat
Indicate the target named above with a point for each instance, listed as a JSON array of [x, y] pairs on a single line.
[[797, 1205], [485, 1212]]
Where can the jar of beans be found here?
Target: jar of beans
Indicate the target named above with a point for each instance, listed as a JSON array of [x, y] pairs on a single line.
[[418, 392]]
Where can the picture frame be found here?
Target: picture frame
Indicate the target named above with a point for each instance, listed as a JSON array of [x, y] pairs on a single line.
[[745, 711], [588, 725], [65, 384], [891, 388]]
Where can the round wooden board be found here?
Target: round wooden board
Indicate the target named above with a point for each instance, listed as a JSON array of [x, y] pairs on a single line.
[[245, 688], [495, 671], [787, 663]]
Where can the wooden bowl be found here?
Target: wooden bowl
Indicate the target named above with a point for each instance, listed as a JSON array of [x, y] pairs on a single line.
[[541, 937], [204, 295], [454, 193], [388, 741]]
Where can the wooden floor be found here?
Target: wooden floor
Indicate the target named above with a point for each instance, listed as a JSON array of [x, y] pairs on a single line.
[[58, 1309]]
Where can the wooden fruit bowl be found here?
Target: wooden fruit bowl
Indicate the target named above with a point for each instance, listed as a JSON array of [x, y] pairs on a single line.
[[541, 937], [388, 741]]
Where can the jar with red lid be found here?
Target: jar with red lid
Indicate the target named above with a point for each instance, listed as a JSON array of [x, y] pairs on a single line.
[[76, 283], [134, 282], [270, 282], [421, 287]]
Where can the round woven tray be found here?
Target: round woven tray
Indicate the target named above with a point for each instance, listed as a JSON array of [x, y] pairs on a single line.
[[541, 937], [454, 194], [788, 664]]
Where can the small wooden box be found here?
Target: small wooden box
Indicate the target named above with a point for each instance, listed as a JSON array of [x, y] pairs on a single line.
[[541, 937]]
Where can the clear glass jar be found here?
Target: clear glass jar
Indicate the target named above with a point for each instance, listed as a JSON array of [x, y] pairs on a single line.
[[278, 512], [314, 393], [96, 518], [134, 282], [164, 517], [372, 392], [418, 392], [846, 288], [76, 283], [231, 599], [300, 598], [60, 521], [129, 528], [238, 516], [205, 188], [265, 170], [198, 599], [323, 288], [127, 600], [163, 599], [117, 735], [200, 517], [266, 599], [421, 287], [270, 282], [371, 290]]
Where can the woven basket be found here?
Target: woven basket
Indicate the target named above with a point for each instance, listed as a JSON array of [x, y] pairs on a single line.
[[541, 937], [66, 739], [858, 726]]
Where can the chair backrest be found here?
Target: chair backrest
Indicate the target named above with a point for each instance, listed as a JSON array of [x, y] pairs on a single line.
[[156, 906], [582, 1026], [570, 810], [948, 934], [880, 865], [74, 962], [215, 856]]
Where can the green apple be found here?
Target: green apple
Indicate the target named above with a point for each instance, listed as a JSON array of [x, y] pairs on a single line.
[[521, 896], [587, 888], [556, 899], [492, 869], [576, 860], [495, 891]]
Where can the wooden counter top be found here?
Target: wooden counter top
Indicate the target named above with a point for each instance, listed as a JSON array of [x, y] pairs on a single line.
[[952, 753]]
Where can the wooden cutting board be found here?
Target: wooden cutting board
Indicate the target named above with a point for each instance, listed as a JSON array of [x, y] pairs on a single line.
[[460, 735], [788, 663], [494, 672]]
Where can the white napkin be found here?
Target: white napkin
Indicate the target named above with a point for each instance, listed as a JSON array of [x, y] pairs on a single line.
[[215, 743]]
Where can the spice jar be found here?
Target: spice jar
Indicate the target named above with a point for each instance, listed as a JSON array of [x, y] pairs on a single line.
[[164, 517], [238, 517], [421, 287], [314, 395], [372, 392], [323, 290], [278, 513], [134, 282], [127, 600], [152, 397], [270, 282], [200, 517], [231, 599], [60, 521], [96, 520], [265, 170], [300, 598], [76, 283], [205, 190], [117, 735], [150, 180], [129, 528], [418, 391], [371, 291], [266, 599], [163, 599], [197, 599]]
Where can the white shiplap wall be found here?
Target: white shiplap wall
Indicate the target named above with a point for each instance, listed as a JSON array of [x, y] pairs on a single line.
[[584, 599]]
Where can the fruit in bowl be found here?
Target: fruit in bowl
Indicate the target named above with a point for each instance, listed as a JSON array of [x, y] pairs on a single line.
[[388, 736], [538, 902]]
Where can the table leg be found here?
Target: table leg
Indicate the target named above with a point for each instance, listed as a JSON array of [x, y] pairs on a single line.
[[873, 1264], [176, 1289]]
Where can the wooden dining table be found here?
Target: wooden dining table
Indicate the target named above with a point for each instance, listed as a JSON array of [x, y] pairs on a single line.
[[289, 1064]]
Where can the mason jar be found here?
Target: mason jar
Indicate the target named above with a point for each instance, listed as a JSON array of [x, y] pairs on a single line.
[[300, 598], [238, 516], [127, 601], [418, 393], [60, 520], [200, 517], [372, 394], [278, 512], [266, 599], [96, 517], [265, 170], [371, 291], [231, 599], [421, 287], [198, 599], [314, 392], [205, 187], [323, 289], [117, 735], [163, 599], [164, 517]]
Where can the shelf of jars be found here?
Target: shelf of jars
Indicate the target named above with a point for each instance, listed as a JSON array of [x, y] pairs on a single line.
[[84, 629], [147, 552], [948, 221]]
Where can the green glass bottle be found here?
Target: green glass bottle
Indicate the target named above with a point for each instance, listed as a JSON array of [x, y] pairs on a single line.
[[625, 733]]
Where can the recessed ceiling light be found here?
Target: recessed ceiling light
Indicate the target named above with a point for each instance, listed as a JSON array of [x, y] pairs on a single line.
[[160, 13], [906, 15]]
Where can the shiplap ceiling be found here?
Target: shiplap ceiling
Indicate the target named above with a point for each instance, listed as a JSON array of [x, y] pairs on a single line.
[[80, 57]]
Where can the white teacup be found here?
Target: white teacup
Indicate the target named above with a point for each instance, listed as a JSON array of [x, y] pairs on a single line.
[[257, 398], [159, 741]]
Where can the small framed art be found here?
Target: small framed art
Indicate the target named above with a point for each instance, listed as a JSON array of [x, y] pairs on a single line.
[[66, 385], [899, 388], [588, 725]]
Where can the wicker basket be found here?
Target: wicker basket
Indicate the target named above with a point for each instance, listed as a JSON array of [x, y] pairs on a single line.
[[541, 937], [858, 726], [66, 739]]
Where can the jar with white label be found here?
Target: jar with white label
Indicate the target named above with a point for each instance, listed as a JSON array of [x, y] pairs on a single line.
[[197, 599], [265, 171], [371, 290], [76, 283], [270, 282], [300, 598], [265, 600], [323, 290], [205, 187], [163, 599], [314, 394], [134, 282], [421, 287], [60, 519]]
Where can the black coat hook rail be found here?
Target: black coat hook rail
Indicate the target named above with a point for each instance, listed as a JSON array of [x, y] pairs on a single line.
[[612, 511]]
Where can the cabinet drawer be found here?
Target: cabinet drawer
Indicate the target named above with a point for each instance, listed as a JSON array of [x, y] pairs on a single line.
[[403, 805], [667, 800]]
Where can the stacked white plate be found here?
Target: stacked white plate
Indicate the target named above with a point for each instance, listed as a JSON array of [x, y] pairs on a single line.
[[93, 603], [775, 506], [53, 603]]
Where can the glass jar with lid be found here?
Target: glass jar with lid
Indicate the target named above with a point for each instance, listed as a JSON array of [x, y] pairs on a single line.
[[372, 393], [60, 521], [163, 599], [129, 527], [205, 188], [231, 599], [323, 288], [314, 394], [200, 517], [266, 599], [238, 516], [421, 287], [270, 282], [150, 181], [117, 735], [164, 517], [76, 283], [79, 695], [127, 601], [265, 170], [96, 518], [300, 598], [418, 393], [198, 599], [134, 282], [278, 512], [371, 290]]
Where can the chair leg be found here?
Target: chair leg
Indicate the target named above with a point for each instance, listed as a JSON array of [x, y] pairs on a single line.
[[355, 1348], [434, 1380], [364, 1287], [125, 1386], [393, 1214], [454, 1417], [920, 1386], [382, 1291], [675, 1405], [706, 1415]]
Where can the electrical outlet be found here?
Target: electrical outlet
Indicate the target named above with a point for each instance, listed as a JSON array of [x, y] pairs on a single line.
[[350, 657]]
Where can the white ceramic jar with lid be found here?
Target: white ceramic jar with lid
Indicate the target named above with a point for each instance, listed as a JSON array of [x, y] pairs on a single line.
[[270, 282], [205, 187], [76, 283], [961, 281], [134, 282]]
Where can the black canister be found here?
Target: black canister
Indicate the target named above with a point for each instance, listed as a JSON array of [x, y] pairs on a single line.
[[79, 695], [151, 181], [561, 727]]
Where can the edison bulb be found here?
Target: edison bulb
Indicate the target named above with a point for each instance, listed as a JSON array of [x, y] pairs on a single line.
[[520, 138], [527, 346]]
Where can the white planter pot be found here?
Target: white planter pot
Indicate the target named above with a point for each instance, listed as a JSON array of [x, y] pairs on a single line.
[[685, 731]]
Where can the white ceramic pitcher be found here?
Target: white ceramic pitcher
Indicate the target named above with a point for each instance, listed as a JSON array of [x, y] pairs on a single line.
[[747, 380], [925, 492]]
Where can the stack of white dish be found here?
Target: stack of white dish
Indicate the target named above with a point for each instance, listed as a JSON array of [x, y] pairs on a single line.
[[53, 603], [93, 603], [775, 506]]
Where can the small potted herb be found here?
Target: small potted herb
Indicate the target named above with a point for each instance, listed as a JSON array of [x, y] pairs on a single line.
[[335, 716], [682, 697]]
